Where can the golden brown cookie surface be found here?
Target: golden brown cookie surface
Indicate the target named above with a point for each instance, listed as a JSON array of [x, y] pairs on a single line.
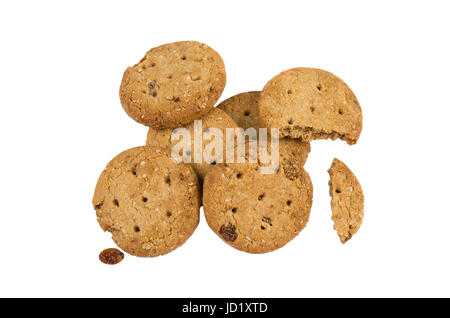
[[347, 200], [149, 203], [244, 110], [216, 118], [173, 84], [308, 103], [254, 212]]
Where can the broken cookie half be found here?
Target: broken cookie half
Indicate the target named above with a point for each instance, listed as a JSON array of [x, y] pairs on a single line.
[[347, 200], [308, 103]]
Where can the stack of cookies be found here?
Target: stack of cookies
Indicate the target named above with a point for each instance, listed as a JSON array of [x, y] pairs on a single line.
[[150, 203]]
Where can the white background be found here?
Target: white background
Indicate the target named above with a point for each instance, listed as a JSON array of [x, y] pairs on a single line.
[[61, 121]]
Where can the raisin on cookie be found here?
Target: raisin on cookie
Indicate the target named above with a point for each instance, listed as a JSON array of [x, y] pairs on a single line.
[[308, 103], [347, 200], [149, 203], [173, 84]]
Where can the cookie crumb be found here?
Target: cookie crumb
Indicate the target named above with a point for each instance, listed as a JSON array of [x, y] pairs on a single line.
[[291, 169]]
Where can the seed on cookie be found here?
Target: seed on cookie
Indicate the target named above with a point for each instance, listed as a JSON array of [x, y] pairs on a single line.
[[173, 84], [151, 212], [111, 256], [308, 103], [347, 200]]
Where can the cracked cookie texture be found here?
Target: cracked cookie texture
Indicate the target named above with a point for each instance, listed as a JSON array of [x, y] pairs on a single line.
[[309, 103], [347, 200], [149, 203], [243, 108], [255, 212], [173, 84]]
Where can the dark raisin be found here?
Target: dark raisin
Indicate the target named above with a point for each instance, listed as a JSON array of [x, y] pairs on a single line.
[[111, 256], [228, 232]]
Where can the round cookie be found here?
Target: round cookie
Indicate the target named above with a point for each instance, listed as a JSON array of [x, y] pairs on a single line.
[[254, 212], [244, 109], [216, 118], [347, 200], [308, 103], [173, 84], [149, 203]]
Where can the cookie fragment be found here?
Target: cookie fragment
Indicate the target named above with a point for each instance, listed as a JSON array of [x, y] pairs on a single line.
[[173, 84], [347, 200], [111, 256], [254, 212], [149, 203], [308, 103]]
